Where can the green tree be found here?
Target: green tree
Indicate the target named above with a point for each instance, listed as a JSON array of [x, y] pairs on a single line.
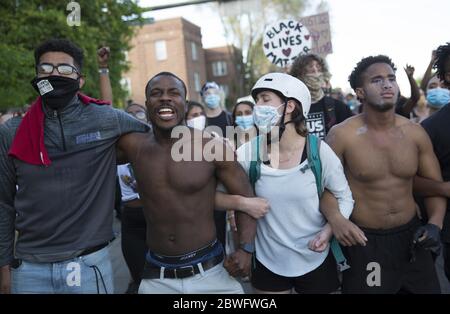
[[244, 23], [25, 24]]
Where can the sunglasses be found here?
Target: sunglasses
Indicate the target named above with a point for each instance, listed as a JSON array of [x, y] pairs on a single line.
[[62, 68]]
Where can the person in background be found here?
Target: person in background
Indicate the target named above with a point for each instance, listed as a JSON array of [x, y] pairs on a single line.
[[428, 73], [216, 116], [337, 94], [212, 97], [243, 122], [195, 115], [325, 111], [437, 127], [404, 105], [352, 103], [437, 94], [421, 111]]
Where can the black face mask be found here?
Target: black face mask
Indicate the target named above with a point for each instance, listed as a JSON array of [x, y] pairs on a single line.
[[56, 91]]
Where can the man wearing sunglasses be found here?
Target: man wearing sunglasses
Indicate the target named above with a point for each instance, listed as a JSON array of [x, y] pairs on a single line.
[[57, 182]]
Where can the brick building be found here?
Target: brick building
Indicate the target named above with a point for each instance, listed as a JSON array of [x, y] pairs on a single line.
[[175, 45]]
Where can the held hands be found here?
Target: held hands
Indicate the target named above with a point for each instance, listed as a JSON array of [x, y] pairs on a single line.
[[346, 232], [103, 56], [256, 207], [321, 240], [428, 237], [238, 264]]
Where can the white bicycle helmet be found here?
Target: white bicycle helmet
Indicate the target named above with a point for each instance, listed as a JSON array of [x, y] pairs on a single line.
[[287, 85]]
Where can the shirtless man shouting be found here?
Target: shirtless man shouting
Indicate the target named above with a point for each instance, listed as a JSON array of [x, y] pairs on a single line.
[[381, 153], [178, 197]]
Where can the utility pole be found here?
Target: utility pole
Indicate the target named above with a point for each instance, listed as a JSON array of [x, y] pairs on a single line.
[[175, 5]]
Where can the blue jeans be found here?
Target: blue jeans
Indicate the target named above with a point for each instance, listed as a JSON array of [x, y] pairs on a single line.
[[90, 273]]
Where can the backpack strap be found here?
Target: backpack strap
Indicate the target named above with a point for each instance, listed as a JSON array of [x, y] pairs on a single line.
[[254, 172], [313, 153], [338, 255]]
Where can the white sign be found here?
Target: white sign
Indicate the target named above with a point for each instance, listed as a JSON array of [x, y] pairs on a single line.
[[284, 40], [319, 28]]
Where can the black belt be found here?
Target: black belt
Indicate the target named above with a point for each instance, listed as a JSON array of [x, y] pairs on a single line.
[[95, 248], [153, 272]]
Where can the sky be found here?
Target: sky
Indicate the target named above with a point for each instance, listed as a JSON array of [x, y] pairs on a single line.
[[405, 30]]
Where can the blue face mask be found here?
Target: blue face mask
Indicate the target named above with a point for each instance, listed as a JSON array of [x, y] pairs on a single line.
[[438, 97], [352, 104], [212, 101], [245, 122], [266, 117]]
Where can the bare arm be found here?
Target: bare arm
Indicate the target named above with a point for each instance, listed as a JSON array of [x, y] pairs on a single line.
[[427, 187], [429, 168], [329, 206], [427, 75], [345, 231], [256, 207], [105, 83], [409, 105], [126, 147], [235, 180]]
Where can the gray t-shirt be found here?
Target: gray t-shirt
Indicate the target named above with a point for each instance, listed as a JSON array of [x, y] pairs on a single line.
[[67, 207]]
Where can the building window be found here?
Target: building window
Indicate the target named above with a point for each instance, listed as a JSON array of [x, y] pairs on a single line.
[[219, 68], [197, 82], [194, 51], [160, 50]]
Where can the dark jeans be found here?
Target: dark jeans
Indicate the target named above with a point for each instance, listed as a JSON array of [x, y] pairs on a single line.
[[134, 247]]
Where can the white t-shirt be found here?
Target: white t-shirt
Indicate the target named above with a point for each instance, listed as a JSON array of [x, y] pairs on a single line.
[[127, 183], [294, 218]]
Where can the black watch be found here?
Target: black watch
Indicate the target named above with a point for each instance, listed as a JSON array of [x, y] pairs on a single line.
[[247, 247]]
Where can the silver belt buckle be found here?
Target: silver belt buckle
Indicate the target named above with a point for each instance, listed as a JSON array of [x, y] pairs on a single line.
[[179, 268]]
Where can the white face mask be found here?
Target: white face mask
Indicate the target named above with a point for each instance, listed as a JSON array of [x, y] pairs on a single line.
[[197, 122], [266, 117]]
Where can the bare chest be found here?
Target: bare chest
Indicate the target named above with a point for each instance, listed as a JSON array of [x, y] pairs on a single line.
[[156, 171], [376, 156]]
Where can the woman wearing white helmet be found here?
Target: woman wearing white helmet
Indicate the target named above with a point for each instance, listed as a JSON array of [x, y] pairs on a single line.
[[292, 251]]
